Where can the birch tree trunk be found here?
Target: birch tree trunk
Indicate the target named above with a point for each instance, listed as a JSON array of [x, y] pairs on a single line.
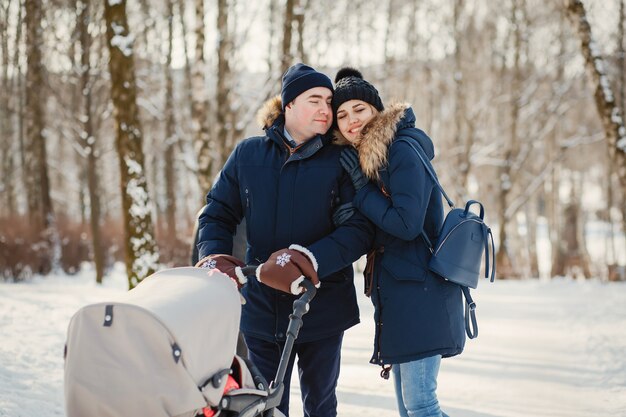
[[141, 252], [37, 178], [605, 100], [200, 107]]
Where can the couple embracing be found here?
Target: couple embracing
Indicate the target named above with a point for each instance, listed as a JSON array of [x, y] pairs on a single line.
[[327, 182]]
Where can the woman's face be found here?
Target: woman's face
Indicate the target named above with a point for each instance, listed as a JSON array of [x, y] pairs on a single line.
[[352, 116]]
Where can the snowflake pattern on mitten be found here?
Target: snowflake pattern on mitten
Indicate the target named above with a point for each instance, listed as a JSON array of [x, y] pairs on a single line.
[[210, 264], [283, 259]]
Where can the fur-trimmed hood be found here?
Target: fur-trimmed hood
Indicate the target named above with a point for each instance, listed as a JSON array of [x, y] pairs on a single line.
[[378, 135], [271, 110]]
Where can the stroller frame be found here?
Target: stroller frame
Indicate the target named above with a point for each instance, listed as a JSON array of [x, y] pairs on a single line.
[[243, 404]]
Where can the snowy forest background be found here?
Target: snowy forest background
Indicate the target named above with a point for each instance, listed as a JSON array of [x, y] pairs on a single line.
[[115, 117]]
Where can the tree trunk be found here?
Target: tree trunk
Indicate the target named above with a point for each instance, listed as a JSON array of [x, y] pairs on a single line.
[[553, 198], [142, 255], [461, 137], [223, 83], [7, 184], [608, 109], [38, 185], [621, 55], [171, 138], [200, 108], [503, 256], [89, 143], [271, 35], [622, 85], [20, 94], [287, 57], [576, 258], [299, 18], [531, 235]]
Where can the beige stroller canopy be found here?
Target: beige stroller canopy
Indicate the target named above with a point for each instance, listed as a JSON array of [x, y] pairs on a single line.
[[147, 352]]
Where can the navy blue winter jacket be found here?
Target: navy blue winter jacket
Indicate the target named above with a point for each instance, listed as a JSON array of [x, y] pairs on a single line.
[[288, 198], [417, 313]]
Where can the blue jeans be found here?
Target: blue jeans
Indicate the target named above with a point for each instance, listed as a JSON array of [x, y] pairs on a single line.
[[416, 385], [318, 369]]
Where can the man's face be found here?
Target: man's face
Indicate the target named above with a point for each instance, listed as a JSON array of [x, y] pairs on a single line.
[[309, 114]]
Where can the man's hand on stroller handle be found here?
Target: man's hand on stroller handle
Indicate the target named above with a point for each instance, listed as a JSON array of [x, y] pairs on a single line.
[[227, 264], [286, 269]]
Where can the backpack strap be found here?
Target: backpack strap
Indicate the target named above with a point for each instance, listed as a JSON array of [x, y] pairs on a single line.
[[470, 314], [431, 172], [428, 166], [493, 255]]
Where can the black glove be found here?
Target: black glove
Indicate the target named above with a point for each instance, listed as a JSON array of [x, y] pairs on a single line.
[[349, 160], [342, 214]]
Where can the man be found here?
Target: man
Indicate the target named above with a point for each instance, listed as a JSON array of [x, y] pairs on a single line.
[[287, 184]]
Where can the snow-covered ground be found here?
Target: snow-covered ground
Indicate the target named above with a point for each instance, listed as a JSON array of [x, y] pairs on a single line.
[[546, 348]]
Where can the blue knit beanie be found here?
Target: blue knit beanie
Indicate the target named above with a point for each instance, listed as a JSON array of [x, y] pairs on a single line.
[[299, 78]]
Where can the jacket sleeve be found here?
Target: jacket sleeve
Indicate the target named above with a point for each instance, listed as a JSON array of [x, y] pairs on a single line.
[[402, 214], [348, 242], [223, 212]]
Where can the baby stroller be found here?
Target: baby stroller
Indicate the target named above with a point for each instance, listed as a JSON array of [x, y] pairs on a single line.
[[167, 348]]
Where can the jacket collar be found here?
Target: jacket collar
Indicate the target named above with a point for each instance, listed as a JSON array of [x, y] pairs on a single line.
[[378, 135], [271, 118]]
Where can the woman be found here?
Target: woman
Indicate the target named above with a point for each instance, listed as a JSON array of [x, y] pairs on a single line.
[[418, 315]]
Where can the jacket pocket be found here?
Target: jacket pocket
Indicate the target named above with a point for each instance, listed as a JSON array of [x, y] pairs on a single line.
[[403, 270]]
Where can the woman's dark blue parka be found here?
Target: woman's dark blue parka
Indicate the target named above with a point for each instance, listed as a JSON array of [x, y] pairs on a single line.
[[288, 196], [417, 313]]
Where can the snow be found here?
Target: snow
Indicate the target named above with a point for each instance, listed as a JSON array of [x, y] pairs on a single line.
[[545, 348]]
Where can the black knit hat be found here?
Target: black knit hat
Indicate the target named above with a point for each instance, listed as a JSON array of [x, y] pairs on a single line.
[[350, 85], [299, 78]]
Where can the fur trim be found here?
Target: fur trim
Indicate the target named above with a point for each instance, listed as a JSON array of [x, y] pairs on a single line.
[[295, 285], [258, 273], [307, 253], [267, 115], [240, 276], [377, 135]]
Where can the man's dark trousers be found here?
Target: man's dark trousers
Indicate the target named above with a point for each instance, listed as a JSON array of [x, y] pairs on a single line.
[[318, 368]]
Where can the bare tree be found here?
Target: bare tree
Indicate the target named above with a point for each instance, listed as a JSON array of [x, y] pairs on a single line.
[[171, 138], [87, 136], [512, 146], [299, 14], [7, 184], [37, 178], [200, 107], [286, 56], [141, 255], [461, 136], [223, 110], [608, 109]]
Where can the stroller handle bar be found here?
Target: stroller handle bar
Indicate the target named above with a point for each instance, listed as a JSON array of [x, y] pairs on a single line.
[[300, 308]]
